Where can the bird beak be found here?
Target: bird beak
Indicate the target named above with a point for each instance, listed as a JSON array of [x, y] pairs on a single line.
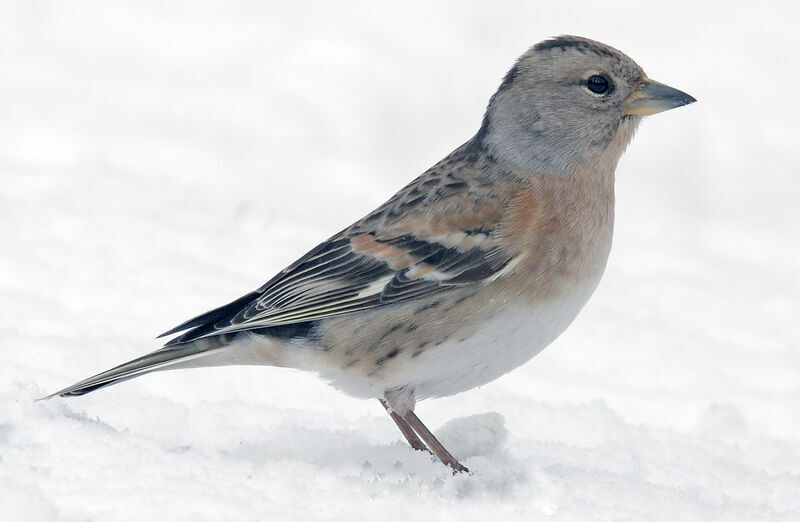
[[653, 97]]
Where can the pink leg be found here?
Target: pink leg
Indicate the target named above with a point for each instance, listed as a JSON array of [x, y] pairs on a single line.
[[435, 446], [405, 429]]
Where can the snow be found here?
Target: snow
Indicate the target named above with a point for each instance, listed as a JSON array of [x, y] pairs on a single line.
[[159, 159]]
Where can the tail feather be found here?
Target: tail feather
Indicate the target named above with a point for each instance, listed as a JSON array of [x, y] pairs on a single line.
[[162, 359], [218, 350]]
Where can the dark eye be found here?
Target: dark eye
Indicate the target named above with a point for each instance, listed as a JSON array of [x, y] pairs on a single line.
[[598, 84]]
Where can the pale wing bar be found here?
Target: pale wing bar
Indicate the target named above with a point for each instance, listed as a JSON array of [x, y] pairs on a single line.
[[335, 279]]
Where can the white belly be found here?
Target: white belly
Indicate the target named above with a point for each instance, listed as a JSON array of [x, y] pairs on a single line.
[[507, 341]]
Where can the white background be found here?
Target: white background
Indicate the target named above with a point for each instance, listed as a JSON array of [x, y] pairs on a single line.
[[159, 159]]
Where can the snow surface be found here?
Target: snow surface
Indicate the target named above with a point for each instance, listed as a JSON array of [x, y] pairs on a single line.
[[158, 159]]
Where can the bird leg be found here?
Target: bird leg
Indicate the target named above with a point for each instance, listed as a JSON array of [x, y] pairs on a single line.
[[435, 446], [405, 429], [401, 399]]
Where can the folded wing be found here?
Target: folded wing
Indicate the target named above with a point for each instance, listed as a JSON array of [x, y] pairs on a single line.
[[439, 233]]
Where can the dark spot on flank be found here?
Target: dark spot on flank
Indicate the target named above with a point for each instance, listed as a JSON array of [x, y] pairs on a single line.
[[420, 349], [392, 329], [457, 302], [394, 353], [386, 334], [412, 327], [457, 185]]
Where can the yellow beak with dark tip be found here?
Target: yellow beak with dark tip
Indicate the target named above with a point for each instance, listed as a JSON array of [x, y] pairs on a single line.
[[654, 97]]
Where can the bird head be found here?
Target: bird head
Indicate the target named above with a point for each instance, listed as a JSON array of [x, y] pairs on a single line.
[[570, 101]]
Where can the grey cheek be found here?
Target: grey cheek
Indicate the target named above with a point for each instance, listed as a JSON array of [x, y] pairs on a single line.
[[603, 134]]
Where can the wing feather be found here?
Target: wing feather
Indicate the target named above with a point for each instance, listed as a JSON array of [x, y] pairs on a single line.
[[346, 279], [428, 239]]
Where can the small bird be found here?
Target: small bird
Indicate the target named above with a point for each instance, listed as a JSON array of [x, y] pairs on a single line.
[[468, 271]]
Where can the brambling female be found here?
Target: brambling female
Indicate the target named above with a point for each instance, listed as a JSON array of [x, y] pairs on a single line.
[[468, 271]]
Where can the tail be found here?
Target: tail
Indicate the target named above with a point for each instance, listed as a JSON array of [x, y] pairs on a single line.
[[168, 358], [199, 347], [194, 349]]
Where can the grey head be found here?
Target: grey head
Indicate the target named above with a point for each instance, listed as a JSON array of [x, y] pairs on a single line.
[[570, 101]]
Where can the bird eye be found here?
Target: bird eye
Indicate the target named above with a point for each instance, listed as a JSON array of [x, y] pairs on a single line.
[[598, 84]]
